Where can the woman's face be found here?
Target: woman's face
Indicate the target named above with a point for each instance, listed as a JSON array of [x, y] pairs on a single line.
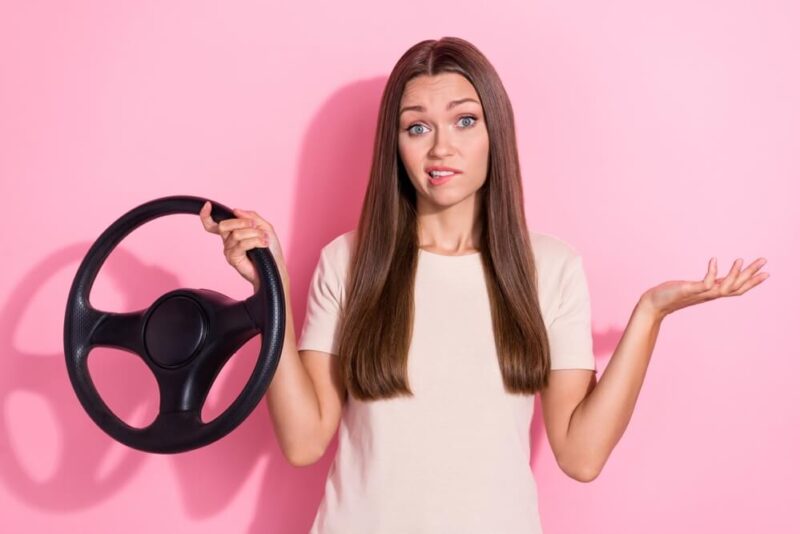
[[442, 125]]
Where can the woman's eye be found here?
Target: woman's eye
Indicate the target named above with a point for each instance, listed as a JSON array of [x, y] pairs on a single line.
[[411, 128], [468, 117], [413, 132]]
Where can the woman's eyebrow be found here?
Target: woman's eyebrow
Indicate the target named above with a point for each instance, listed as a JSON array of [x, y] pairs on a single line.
[[449, 106]]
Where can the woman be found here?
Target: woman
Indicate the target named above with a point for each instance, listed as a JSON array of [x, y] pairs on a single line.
[[431, 326]]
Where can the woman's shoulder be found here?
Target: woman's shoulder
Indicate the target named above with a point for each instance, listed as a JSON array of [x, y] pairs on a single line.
[[551, 253], [554, 258], [341, 245], [338, 251]]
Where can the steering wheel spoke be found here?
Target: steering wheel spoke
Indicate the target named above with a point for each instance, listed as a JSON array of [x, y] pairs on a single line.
[[236, 319], [119, 330]]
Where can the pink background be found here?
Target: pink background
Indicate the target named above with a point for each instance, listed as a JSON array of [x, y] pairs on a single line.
[[652, 136]]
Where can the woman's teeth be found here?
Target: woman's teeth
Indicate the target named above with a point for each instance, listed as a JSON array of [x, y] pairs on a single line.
[[440, 173]]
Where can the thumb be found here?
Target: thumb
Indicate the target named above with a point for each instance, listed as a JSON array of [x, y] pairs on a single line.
[[205, 217]]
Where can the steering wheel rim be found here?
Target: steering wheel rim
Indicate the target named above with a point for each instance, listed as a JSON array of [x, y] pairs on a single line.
[[184, 337]]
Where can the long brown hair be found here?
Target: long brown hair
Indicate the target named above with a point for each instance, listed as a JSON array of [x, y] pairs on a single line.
[[377, 322]]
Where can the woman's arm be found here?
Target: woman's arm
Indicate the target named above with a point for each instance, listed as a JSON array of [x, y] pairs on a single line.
[[291, 397], [599, 420], [305, 397]]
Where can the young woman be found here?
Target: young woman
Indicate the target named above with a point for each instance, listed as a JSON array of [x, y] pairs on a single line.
[[431, 326]]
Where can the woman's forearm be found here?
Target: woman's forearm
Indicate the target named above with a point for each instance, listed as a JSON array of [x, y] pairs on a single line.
[[292, 400], [600, 419]]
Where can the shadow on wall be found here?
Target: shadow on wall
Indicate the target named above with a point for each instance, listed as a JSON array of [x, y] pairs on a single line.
[[89, 466]]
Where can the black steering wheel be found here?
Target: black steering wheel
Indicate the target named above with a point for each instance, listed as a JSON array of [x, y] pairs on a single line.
[[185, 337]]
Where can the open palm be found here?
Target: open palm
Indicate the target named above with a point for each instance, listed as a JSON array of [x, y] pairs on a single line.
[[676, 294]]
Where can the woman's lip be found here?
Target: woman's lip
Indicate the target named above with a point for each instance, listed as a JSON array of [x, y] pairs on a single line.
[[441, 179]]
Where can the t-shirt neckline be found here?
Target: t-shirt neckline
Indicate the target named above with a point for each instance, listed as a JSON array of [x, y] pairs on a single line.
[[429, 253]]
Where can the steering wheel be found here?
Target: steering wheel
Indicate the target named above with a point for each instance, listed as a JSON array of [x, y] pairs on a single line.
[[185, 338]]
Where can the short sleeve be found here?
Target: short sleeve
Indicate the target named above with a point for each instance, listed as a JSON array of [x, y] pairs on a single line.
[[323, 310], [570, 332]]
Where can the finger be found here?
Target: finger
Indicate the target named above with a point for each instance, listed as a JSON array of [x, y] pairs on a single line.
[[260, 222], [725, 287], [709, 286], [205, 218], [232, 241], [246, 214], [708, 280], [708, 283], [748, 273], [228, 225], [750, 283], [243, 246], [247, 233], [246, 244]]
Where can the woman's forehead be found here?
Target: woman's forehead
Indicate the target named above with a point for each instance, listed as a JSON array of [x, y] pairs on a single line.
[[446, 89]]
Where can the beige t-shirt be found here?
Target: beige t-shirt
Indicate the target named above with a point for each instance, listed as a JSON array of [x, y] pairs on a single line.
[[455, 458]]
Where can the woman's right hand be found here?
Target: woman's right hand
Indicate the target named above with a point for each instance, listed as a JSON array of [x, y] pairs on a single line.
[[248, 230]]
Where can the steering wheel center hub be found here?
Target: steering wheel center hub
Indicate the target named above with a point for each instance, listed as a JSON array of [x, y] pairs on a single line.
[[175, 330]]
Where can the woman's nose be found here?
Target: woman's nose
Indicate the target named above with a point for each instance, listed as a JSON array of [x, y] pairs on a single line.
[[442, 143]]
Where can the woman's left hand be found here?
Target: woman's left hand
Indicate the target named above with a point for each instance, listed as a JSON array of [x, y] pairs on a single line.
[[674, 295]]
